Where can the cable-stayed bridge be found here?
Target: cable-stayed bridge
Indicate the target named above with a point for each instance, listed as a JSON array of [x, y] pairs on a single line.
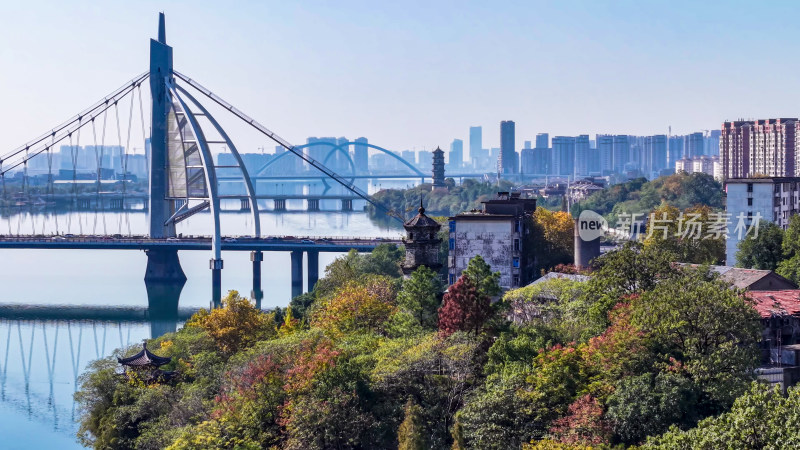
[[183, 179]]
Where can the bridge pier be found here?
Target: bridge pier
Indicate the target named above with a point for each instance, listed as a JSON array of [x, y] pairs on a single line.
[[313, 204], [313, 269], [297, 273], [279, 204], [347, 204], [163, 266], [216, 282], [257, 293]]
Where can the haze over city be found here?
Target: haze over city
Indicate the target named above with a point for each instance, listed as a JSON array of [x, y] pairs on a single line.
[[415, 75]]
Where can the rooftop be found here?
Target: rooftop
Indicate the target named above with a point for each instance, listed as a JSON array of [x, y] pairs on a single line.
[[144, 358], [746, 278], [776, 303], [561, 276]]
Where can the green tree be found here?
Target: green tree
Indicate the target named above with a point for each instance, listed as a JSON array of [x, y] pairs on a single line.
[[420, 296], [760, 419], [790, 266], [763, 252], [620, 274], [410, 434], [705, 330], [480, 273], [685, 234]]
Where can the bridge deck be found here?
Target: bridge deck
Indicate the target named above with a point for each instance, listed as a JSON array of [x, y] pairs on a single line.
[[271, 243]]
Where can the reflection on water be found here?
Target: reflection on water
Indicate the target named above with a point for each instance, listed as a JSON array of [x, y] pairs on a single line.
[[47, 348]]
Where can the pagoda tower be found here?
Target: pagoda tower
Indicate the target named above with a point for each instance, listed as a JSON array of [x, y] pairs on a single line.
[[438, 170], [421, 242]]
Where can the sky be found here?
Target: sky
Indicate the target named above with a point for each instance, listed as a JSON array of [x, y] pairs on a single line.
[[415, 74]]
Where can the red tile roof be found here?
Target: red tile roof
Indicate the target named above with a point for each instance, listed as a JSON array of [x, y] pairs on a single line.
[[776, 303]]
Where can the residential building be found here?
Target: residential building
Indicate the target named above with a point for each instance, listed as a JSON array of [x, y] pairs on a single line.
[[582, 189], [620, 152], [734, 149], [543, 140], [605, 149], [424, 159], [772, 148], [750, 199], [563, 155], [581, 157], [527, 161], [497, 233], [693, 145], [509, 159]]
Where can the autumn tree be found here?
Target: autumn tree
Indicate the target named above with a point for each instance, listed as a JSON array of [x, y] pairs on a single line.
[[584, 424], [464, 308], [236, 325], [356, 306], [551, 237]]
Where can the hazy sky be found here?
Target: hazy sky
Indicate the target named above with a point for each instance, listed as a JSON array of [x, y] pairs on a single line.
[[416, 74]]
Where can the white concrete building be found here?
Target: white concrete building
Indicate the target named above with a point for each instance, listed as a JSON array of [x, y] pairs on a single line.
[[772, 199], [497, 234]]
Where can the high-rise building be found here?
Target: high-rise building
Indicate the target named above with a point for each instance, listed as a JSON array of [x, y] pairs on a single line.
[[527, 144], [605, 150], [711, 140], [655, 151], [674, 150], [564, 155], [361, 155], [734, 148], [694, 145], [620, 152], [772, 148], [475, 143], [456, 153], [543, 140], [509, 159], [581, 160], [527, 161], [424, 159], [542, 161], [409, 156]]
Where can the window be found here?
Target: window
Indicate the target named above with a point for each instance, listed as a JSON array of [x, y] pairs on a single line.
[[452, 244], [515, 262], [451, 278], [411, 235], [515, 280], [749, 187], [452, 226], [750, 201], [516, 245], [517, 226]]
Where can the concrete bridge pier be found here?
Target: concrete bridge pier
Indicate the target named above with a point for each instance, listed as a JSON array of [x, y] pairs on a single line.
[[313, 269], [257, 293], [162, 306], [163, 266], [216, 282], [297, 273]]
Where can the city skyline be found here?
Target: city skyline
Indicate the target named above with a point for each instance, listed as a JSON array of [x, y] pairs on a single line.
[[413, 84]]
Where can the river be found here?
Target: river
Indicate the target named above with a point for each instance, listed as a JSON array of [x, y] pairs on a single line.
[[41, 360]]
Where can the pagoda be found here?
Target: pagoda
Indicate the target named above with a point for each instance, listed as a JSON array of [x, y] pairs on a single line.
[[438, 170], [421, 242], [147, 365]]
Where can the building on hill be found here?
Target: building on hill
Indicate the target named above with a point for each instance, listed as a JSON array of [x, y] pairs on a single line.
[[499, 234], [750, 279], [422, 243], [146, 366], [438, 169]]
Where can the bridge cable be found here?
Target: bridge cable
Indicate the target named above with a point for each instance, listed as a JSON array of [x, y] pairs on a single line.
[[124, 157], [265, 131]]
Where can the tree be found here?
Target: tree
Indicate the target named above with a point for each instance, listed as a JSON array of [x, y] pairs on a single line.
[[552, 237], [583, 425], [704, 330], [420, 296], [356, 307], [763, 252], [761, 418], [620, 274], [483, 279], [464, 308], [236, 325], [790, 266], [410, 434], [685, 234]]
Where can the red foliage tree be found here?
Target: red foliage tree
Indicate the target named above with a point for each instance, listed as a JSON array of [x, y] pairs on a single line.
[[583, 425], [464, 308]]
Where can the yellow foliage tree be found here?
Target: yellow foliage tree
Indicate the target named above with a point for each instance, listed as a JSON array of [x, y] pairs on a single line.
[[552, 238], [356, 306], [236, 325]]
